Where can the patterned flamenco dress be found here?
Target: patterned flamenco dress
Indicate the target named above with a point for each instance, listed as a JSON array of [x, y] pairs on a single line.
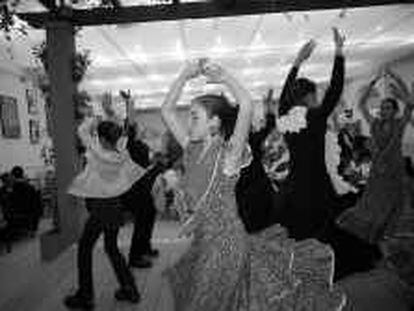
[[225, 269], [375, 215]]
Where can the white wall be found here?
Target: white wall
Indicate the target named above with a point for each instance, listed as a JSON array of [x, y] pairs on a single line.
[[21, 151]]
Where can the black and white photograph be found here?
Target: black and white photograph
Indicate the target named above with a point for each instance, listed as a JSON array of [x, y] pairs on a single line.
[[207, 155]]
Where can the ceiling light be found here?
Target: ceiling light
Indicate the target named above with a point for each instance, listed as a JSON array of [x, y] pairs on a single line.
[[251, 71], [219, 48], [156, 78], [140, 54], [259, 43], [179, 51]]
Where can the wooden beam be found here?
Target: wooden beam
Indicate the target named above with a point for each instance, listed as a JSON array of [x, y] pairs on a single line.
[[140, 14], [49, 4]]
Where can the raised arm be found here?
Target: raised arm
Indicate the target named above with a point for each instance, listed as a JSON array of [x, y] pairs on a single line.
[[287, 97], [363, 100], [402, 92], [168, 109], [129, 103], [336, 85], [242, 96]]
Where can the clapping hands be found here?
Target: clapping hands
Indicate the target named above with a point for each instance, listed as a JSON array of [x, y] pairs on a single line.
[[213, 72]]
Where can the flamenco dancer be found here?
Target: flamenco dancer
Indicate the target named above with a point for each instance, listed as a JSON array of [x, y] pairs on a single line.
[[108, 174], [224, 267], [375, 215], [311, 191]]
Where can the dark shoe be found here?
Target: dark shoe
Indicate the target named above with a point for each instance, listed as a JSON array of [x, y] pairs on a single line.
[[128, 294], [154, 253], [78, 302], [141, 262]]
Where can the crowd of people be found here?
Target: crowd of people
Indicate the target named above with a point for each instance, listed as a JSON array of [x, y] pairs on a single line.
[[271, 222]]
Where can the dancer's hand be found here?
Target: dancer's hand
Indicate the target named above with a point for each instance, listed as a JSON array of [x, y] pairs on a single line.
[[305, 52], [214, 73], [192, 70], [339, 40]]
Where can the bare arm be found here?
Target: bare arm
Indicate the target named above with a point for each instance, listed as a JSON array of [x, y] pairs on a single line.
[[242, 127], [168, 109], [242, 96], [363, 100], [402, 92]]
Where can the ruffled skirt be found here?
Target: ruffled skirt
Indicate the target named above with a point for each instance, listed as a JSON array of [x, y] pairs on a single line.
[[266, 271]]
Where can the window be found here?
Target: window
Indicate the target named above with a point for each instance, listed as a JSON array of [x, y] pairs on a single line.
[[9, 116]]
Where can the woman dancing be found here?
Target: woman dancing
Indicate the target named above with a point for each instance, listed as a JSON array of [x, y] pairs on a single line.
[[225, 268], [374, 216]]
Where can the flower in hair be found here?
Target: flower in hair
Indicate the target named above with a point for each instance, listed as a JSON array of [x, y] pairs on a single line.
[[294, 121]]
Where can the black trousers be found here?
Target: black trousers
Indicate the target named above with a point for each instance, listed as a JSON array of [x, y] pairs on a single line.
[[144, 221], [105, 217], [139, 200]]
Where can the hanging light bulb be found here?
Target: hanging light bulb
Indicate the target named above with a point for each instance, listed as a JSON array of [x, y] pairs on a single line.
[[156, 77]]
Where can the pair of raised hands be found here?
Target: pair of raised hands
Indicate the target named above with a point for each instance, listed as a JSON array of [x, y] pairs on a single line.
[[213, 72], [307, 49], [398, 88]]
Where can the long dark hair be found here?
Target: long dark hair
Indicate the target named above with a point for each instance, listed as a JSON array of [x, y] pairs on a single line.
[[393, 102], [218, 105], [302, 87]]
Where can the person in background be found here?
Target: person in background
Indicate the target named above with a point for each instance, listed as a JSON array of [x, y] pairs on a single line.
[[108, 174], [311, 192], [374, 217], [5, 217], [257, 190], [5, 192], [139, 198], [25, 202]]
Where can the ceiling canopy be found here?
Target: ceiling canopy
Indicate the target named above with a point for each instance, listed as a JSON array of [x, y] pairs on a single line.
[[258, 48]]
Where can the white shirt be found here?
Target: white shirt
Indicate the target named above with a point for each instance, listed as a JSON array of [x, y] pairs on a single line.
[[107, 173]]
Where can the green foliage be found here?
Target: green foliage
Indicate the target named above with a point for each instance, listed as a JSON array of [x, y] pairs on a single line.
[[8, 22]]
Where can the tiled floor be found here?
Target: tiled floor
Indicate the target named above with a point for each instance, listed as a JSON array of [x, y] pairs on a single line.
[[26, 284]]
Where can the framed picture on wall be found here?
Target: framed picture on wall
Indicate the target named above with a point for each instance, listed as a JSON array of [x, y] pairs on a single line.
[[34, 128], [31, 101], [9, 117]]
